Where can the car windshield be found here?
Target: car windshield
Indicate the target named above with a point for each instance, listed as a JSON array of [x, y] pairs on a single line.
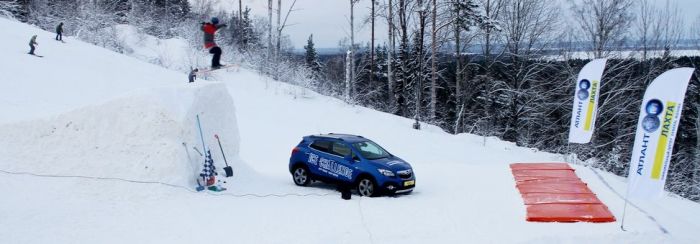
[[370, 150]]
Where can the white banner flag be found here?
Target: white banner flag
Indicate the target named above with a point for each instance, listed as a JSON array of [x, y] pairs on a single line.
[[586, 101], [656, 132]]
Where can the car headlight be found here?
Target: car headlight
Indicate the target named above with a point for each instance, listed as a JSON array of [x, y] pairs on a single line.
[[386, 172]]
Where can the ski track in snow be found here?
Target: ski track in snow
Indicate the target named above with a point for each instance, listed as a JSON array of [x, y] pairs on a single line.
[[91, 152]]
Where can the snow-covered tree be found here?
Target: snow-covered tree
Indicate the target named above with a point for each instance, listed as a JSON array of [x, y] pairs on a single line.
[[529, 26], [465, 16], [353, 74], [390, 57], [603, 22], [13, 8], [311, 57], [242, 32], [402, 60]]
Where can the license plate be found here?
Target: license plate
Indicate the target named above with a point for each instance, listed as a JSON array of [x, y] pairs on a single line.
[[409, 183]]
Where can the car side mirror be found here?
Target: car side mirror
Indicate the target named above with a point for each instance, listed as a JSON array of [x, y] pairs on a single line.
[[349, 158]]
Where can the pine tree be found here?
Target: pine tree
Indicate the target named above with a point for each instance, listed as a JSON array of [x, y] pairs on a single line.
[[468, 15], [380, 84], [381, 66], [247, 35], [311, 57], [417, 73], [465, 16], [401, 75]]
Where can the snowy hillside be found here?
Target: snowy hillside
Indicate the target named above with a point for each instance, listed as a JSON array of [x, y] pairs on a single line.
[[91, 152]]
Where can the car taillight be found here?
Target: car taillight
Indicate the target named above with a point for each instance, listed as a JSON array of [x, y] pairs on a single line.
[[295, 150]]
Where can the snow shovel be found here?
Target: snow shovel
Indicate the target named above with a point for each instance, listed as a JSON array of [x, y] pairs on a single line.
[[199, 186], [228, 170]]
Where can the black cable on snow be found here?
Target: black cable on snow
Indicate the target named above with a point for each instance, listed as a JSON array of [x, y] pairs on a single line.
[[661, 228], [240, 195]]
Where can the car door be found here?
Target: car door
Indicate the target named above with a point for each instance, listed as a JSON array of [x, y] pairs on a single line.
[[340, 167], [320, 152]]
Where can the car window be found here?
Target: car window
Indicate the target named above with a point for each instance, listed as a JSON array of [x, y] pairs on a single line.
[[321, 145], [370, 150], [341, 149], [355, 157]]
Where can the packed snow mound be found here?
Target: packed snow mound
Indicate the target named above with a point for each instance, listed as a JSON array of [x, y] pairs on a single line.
[[138, 136], [84, 110]]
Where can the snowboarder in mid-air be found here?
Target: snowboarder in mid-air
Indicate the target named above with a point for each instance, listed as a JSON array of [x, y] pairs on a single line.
[[59, 32], [32, 44], [209, 30]]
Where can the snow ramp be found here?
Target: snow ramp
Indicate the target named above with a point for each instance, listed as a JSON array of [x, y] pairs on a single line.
[[82, 110], [136, 136], [552, 192]]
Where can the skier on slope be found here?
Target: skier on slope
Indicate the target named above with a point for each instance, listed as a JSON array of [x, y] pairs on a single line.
[[59, 32], [209, 30], [32, 42]]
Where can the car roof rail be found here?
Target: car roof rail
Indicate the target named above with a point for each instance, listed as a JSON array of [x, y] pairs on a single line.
[[336, 136]]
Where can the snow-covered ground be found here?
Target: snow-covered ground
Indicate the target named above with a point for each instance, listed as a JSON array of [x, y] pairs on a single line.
[[91, 152]]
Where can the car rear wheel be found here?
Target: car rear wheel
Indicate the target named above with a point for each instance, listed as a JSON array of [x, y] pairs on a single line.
[[366, 187], [301, 176]]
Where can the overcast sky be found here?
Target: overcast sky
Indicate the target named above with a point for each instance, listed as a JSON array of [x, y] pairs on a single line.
[[328, 20]]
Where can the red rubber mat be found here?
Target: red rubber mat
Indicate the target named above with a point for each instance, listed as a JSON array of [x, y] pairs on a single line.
[[560, 188], [533, 179], [552, 192], [545, 198], [545, 173], [518, 166], [597, 213]]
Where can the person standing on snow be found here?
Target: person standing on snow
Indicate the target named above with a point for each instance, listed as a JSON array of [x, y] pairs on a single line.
[[32, 42], [193, 75], [209, 30], [59, 32]]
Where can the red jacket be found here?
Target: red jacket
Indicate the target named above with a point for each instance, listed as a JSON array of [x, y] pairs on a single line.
[[209, 31]]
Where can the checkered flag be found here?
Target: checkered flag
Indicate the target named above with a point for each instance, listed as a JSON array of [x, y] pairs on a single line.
[[209, 170]]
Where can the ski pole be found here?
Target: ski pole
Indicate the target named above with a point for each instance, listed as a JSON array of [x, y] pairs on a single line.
[[189, 158], [222, 149], [200, 153], [199, 125]]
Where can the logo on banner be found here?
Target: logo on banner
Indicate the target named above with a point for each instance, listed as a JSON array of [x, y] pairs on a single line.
[[581, 94], [583, 91], [584, 94], [651, 121], [650, 124]]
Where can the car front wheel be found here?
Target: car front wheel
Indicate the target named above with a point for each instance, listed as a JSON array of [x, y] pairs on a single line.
[[366, 187], [301, 176]]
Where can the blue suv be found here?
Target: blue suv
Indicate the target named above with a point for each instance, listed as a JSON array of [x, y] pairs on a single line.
[[350, 160]]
